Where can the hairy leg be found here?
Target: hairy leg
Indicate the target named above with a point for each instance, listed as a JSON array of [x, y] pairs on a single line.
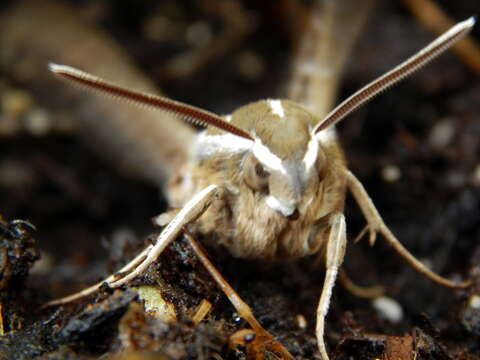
[[376, 225], [190, 212], [337, 242]]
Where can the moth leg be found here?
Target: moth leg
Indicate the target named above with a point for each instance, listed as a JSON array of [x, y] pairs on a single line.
[[87, 291], [337, 242], [365, 292], [375, 225], [190, 212], [263, 339]]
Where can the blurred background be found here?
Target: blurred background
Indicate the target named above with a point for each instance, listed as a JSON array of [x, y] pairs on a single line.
[[70, 165]]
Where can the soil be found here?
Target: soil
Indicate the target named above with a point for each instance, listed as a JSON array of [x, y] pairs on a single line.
[[415, 149]]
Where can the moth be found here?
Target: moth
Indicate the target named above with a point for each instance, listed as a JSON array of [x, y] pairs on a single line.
[[267, 182]]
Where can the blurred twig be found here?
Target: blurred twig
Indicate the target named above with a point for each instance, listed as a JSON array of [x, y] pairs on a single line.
[[326, 43], [146, 143]]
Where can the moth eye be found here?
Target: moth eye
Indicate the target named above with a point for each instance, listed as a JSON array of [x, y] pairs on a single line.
[[255, 174], [260, 171]]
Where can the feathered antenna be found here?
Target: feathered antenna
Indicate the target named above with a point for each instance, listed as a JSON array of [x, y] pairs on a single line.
[[409, 66], [191, 114]]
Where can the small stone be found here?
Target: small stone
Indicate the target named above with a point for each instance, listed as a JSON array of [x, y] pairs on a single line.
[[38, 122], [391, 173], [470, 314], [442, 133], [388, 309], [474, 302], [301, 322]]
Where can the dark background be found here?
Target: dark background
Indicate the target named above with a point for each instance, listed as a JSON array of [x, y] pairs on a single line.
[[80, 201]]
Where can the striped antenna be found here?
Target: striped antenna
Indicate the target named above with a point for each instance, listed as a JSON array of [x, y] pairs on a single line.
[[191, 114], [398, 73]]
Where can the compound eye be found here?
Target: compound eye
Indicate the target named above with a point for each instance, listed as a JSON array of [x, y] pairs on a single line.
[[261, 172], [255, 174]]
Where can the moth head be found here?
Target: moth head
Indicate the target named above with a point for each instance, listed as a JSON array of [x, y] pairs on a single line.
[[286, 159]]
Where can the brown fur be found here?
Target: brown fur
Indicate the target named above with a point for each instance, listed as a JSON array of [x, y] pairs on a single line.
[[241, 220]]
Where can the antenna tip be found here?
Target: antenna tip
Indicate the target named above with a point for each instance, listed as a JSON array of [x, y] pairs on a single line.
[[56, 68], [470, 22], [65, 70]]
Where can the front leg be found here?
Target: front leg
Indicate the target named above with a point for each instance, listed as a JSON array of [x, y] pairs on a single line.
[[337, 243], [376, 225], [189, 213]]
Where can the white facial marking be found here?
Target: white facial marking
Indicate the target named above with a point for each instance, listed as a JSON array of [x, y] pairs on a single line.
[[327, 135], [208, 145], [311, 154], [275, 204], [277, 107], [267, 158]]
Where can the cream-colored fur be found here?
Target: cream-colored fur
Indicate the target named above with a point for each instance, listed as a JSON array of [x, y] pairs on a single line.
[[242, 221]]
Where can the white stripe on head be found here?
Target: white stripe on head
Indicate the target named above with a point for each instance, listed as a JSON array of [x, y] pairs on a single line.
[[327, 135], [276, 205], [311, 154], [208, 145], [277, 107], [267, 158]]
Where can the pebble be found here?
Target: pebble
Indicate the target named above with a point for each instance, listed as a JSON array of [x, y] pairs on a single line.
[[388, 309], [391, 173], [442, 133]]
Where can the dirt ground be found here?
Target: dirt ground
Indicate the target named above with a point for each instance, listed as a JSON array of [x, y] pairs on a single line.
[[415, 149]]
